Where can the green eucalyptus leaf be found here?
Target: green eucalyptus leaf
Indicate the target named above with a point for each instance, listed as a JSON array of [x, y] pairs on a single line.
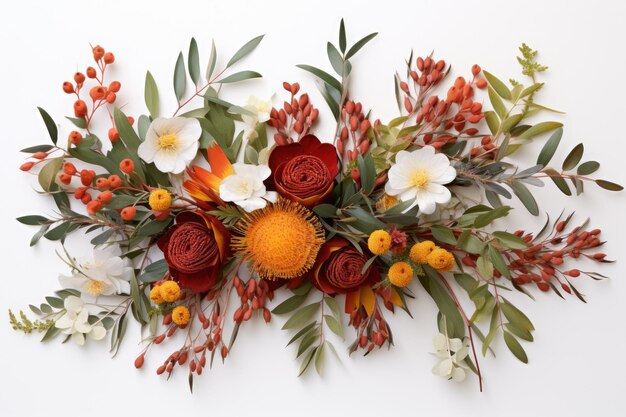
[[323, 75], [548, 150], [587, 168], [47, 174], [245, 50], [515, 347], [342, 36], [239, 76], [180, 78], [335, 58], [50, 125], [498, 85], [608, 185], [574, 157], [151, 95], [193, 60], [212, 62], [360, 44], [301, 316], [539, 129]]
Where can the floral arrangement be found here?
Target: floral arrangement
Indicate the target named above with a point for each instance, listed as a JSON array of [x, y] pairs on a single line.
[[198, 220]]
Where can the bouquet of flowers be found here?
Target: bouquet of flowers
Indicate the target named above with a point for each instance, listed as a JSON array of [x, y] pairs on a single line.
[[197, 220]]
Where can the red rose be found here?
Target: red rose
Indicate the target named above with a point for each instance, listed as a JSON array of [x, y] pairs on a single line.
[[195, 248], [339, 266], [304, 171]]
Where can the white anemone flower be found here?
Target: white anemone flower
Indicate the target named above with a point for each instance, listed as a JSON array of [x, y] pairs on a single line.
[[259, 111], [245, 187], [106, 274], [419, 176], [75, 322], [171, 143], [451, 365]]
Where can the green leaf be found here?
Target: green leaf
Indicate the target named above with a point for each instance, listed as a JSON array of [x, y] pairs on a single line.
[[574, 157], [587, 168], [37, 236], [155, 271], [180, 78], [539, 129], [367, 171], [497, 103], [245, 50], [335, 58], [342, 36], [515, 347], [127, 134], [239, 76], [511, 122], [47, 174], [51, 333], [498, 85], [608, 185], [151, 95], [334, 306], [360, 44], [548, 150], [443, 234], [530, 90], [485, 219], [514, 315], [485, 267], [558, 181], [319, 358], [289, 305], [37, 148], [498, 261], [79, 122], [510, 240], [493, 122], [334, 325], [302, 332], [55, 302], [525, 197], [307, 360], [59, 232], [323, 75], [193, 61], [445, 303], [519, 332], [301, 316], [32, 220], [212, 62], [50, 125]]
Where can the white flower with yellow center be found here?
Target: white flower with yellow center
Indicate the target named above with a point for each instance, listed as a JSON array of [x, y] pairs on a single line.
[[245, 187], [106, 274], [171, 143], [259, 111], [419, 176], [75, 322]]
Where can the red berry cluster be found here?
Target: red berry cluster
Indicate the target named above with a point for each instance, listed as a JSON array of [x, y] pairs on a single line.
[[372, 331], [253, 296], [441, 121], [295, 118], [100, 94], [355, 128]]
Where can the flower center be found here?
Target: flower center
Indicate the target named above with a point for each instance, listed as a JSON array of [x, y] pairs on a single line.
[[282, 240], [168, 142], [96, 287], [419, 178]]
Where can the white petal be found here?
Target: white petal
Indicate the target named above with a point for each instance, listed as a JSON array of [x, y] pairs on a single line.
[[79, 338], [235, 188], [426, 203], [251, 204], [97, 332], [148, 149], [64, 322], [446, 176], [443, 368], [440, 342], [398, 177], [187, 130], [271, 196], [73, 303], [165, 161], [458, 374], [455, 344]]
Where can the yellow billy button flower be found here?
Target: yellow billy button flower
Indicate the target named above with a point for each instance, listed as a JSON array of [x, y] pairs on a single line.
[[180, 315], [441, 260], [400, 274], [379, 242], [155, 295], [421, 250], [170, 291], [160, 200]]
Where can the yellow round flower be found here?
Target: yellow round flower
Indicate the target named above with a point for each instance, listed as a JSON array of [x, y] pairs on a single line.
[[421, 250], [281, 240], [155, 295], [160, 200], [400, 274], [170, 291], [180, 315], [379, 242], [441, 260]]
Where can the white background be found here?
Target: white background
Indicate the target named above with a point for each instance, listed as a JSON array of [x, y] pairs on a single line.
[[576, 364]]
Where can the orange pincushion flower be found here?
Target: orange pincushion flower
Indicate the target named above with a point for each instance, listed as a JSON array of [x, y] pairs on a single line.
[[281, 240], [441, 260], [400, 274], [379, 242]]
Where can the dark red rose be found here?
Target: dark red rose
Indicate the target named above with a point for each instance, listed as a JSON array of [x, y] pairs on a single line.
[[195, 248], [338, 267], [304, 171]]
